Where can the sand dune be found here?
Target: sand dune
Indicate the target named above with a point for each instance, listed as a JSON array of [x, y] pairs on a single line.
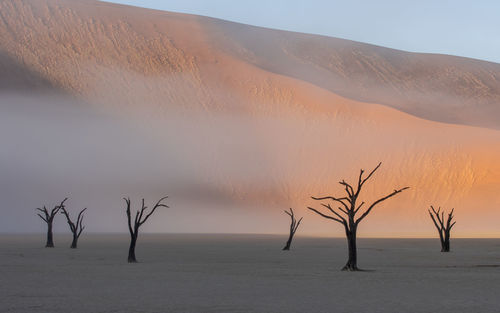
[[236, 122], [69, 42]]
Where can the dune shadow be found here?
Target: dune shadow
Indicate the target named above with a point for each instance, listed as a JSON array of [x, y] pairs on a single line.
[[18, 77]]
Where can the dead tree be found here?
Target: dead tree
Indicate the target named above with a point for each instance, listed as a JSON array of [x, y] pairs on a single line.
[[443, 228], [139, 219], [347, 210], [76, 228], [294, 224], [48, 218]]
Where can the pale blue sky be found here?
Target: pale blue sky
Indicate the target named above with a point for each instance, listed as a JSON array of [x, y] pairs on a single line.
[[459, 27]]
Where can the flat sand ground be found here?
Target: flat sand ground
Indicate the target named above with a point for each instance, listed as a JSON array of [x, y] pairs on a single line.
[[246, 273]]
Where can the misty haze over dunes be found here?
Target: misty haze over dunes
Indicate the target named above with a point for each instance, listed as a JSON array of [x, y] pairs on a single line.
[[100, 101]]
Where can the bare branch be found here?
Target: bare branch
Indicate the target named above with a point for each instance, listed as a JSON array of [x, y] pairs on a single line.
[[436, 213], [44, 211], [395, 192], [68, 219], [340, 200], [325, 216], [79, 222], [435, 222], [143, 208], [157, 205], [129, 218], [333, 211], [348, 188], [362, 182], [330, 208], [136, 219], [43, 218], [80, 216], [359, 207], [57, 208], [450, 217], [297, 225]]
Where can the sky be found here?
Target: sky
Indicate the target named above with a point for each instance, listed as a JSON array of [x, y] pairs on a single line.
[[464, 28]]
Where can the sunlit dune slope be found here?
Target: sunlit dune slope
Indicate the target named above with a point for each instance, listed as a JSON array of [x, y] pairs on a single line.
[[69, 42], [239, 116], [436, 87]]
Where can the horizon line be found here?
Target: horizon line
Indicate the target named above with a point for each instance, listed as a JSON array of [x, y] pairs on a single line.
[[256, 234]]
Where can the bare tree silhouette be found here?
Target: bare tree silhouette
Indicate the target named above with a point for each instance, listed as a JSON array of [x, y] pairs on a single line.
[[294, 224], [76, 228], [48, 218], [444, 228], [140, 219], [347, 210]]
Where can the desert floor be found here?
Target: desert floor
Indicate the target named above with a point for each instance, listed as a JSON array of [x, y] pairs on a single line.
[[246, 273]]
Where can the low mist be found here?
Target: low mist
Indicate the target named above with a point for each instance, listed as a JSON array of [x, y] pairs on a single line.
[[223, 172]]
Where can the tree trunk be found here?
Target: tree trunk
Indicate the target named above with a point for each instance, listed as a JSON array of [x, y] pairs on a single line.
[[50, 241], [289, 242], [74, 243], [352, 262], [445, 244], [131, 250]]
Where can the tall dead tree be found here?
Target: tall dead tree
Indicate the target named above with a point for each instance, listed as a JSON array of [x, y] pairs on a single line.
[[48, 217], [347, 210], [294, 224], [76, 228], [139, 219], [444, 228]]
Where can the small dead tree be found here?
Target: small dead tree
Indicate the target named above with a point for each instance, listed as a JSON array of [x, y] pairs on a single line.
[[294, 224], [48, 217], [347, 210], [444, 228], [139, 219], [76, 228]]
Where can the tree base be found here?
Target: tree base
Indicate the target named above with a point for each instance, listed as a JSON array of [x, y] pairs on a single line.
[[350, 268], [445, 246], [49, 246], [286, 248]]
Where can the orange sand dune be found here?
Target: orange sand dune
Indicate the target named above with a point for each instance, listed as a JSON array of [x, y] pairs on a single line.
[[254, 118], [70, 42]]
